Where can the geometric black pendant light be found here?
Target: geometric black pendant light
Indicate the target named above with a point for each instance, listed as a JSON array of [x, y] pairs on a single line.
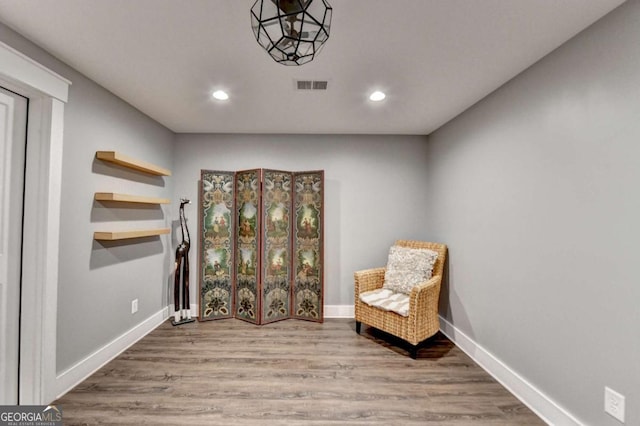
[[291, 31]]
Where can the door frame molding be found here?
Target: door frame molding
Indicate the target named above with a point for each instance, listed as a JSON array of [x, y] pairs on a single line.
[[47, 92]]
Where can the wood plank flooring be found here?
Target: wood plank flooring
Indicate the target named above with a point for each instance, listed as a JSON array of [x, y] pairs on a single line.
[[230, 372]]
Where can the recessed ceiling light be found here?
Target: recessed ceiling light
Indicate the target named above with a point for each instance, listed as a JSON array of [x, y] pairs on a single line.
[[377, 96], [220, 95]]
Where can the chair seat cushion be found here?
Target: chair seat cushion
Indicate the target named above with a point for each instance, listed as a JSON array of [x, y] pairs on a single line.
[[387, 300], [408, 267]]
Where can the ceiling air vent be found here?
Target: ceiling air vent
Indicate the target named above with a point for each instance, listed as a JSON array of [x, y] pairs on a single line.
[[319, 85], [311, 84]]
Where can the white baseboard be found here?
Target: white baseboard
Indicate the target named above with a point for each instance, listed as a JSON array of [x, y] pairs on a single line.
[[531, 396], [330, 311], [339, 311], [77, 373]]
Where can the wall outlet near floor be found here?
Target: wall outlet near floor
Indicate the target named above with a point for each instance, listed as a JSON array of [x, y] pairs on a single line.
[[614, 404], [134, 306]]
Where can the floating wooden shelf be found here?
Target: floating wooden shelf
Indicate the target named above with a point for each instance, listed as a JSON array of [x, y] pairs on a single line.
[[123, 160], [126, 198], [124, 235]]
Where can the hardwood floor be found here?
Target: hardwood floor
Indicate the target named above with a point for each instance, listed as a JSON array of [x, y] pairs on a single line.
[[230, 372]]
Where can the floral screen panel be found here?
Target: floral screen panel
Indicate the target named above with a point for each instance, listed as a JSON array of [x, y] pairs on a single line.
[[247, 291], [276, 250], [216, 200], [261, 245], [308, 236]]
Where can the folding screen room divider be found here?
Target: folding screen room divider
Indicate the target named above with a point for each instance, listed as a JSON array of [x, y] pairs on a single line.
[[261, 245]]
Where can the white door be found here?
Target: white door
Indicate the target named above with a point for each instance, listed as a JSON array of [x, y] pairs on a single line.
[[13, 125]]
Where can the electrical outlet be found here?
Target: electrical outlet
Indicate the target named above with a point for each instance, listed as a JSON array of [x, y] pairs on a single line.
[[614, 404], [134, 306]]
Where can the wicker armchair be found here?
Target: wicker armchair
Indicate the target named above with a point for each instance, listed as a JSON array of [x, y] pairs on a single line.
[[423, 321]]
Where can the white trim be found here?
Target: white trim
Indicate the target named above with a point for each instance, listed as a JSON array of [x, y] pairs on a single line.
[[330, 311], [11, 145], [339, 311], [79, 372], [47, 92], [532, 397], [24, 71]]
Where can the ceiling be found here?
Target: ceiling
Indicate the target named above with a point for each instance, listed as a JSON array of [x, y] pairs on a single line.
[[433, 58]]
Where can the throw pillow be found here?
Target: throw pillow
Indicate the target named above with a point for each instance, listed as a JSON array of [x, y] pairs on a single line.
[[408, 267]]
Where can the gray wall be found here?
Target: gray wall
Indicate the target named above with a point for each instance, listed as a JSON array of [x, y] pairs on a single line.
[[98, 281], [535, 189], [374, 190]]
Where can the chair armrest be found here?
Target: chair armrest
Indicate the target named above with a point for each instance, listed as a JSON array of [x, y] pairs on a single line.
[[368, 279], [425, 294], [423, 310]]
